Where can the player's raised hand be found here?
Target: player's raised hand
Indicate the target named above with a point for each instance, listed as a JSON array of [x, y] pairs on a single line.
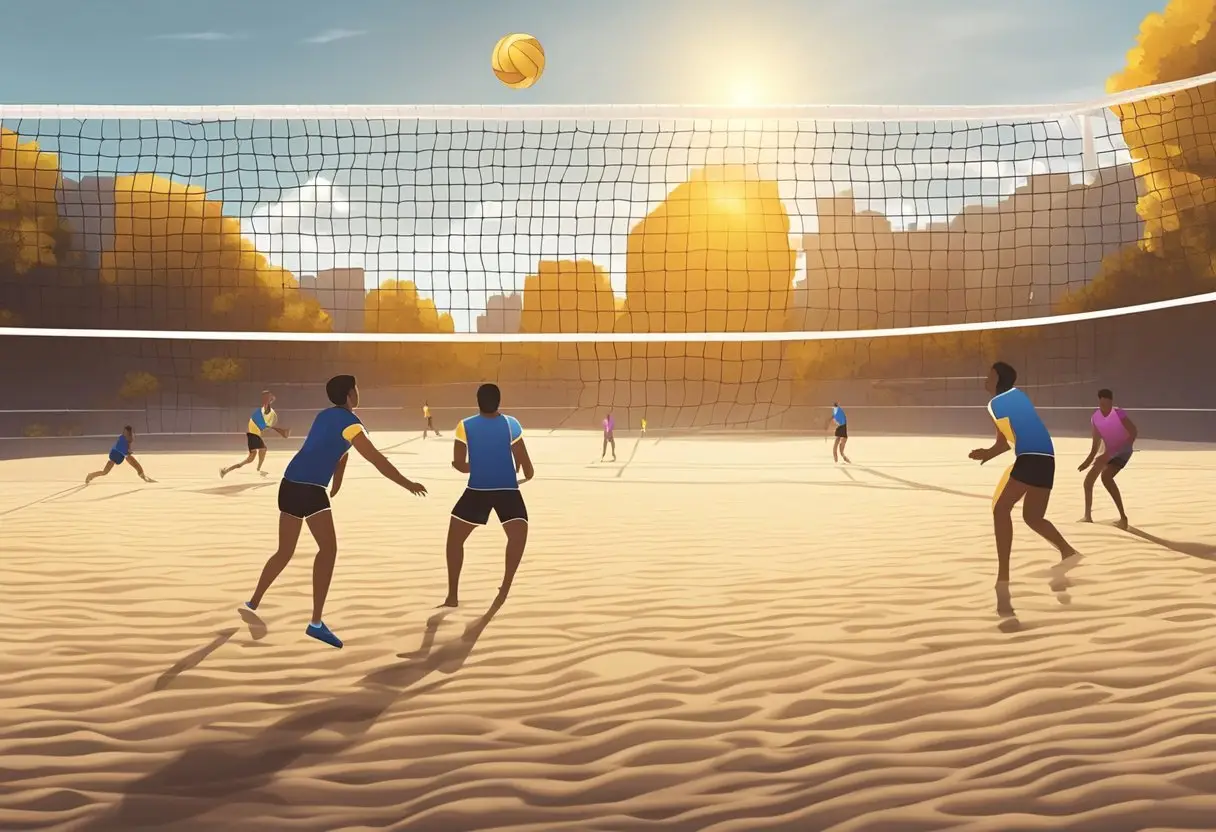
[[416, 488]]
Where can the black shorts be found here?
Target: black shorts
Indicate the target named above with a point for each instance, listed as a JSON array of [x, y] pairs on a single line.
[[1035, 470], [475, 506], [842, 431], [1119, 461], [302, 499], [255, 442]]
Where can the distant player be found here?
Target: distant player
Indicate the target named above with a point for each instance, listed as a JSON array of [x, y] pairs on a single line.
[[1031, 476], [261, 420], [643, 426], [609, 439], [430, 424], [302, 496], [842, 432], [1117, 433], [490, 448], [120, 453]]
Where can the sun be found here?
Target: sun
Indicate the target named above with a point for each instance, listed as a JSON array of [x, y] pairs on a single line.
[[744, 93]]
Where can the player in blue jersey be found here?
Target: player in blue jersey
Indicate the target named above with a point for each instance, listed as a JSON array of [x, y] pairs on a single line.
[[1031, 476], [842, 432], [120, 453], [303, 499], [490, 448], [261, 420]]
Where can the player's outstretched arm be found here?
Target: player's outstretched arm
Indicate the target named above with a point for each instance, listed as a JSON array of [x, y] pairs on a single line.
[[339, 473], [369, 452], [283, 432], [1093, 451], [522, 461]]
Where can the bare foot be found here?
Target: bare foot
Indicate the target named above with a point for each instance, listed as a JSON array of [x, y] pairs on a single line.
[[1004, 602], [1086, 519], [223, 473], [449, 602], [1121, 523]]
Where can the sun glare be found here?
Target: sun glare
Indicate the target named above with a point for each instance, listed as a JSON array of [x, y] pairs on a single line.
[[744, 94]]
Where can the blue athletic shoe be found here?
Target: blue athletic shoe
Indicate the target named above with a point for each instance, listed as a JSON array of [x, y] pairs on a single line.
[[250, 607], [322, 633]]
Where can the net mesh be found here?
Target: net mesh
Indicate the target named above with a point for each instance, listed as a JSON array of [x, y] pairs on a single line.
[[594, 223]]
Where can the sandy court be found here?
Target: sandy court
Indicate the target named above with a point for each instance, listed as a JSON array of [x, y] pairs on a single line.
[[712, 634]]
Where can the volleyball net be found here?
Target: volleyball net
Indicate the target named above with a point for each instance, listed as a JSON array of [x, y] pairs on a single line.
[[696, 267]]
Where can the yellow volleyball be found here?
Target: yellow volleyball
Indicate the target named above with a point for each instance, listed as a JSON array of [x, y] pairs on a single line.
[[518, 61]]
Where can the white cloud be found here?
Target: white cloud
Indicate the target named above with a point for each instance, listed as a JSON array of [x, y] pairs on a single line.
[[331, 35], [200, 36]]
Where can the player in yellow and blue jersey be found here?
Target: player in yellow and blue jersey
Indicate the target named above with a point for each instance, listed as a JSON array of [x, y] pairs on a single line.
[[261, 420], [120, 453], [303, 498], [490, 448], [1030, 478]]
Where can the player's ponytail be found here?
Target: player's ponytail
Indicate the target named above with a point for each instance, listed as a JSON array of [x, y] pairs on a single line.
[[1006, 376]]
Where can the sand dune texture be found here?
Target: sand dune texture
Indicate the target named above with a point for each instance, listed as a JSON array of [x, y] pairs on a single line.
[[714, 635]]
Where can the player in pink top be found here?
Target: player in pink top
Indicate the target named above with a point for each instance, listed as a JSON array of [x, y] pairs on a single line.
[[609, 440], [1117, 433]]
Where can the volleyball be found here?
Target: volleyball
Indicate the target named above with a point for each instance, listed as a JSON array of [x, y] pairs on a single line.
[[518, 61]]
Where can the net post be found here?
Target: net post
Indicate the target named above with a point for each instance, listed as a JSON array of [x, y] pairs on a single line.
[[1089, 152]]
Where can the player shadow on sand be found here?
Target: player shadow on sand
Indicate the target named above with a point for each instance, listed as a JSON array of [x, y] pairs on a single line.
[[205, 776], [194, 659], [921, 486], [113, 496], [235, 489], [1203, 551]]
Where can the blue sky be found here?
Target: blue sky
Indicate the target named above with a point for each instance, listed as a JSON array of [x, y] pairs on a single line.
[[625, 51]]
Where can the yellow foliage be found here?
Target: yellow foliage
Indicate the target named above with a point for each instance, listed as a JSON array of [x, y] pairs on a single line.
[[568, 296], [715, 256], [139, 385], [396, 306], [36, 430], [29, 215], [223, 370], [1171, 137], [170, 236]]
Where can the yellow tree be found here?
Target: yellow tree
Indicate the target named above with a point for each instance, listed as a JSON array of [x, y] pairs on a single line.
[[715, 256], [225, 373], [1170, 136], [573, 296], [397, 306], [179, 262], [30, 231]]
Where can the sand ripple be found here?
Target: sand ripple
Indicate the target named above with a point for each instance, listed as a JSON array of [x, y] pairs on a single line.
[[719, 636]]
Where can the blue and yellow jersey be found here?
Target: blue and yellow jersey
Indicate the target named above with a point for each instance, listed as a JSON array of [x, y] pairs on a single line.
[[327, 442], [426, 412], [122, 447], [489, 440], [261, 420], [838, 415], [1019, 423]]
